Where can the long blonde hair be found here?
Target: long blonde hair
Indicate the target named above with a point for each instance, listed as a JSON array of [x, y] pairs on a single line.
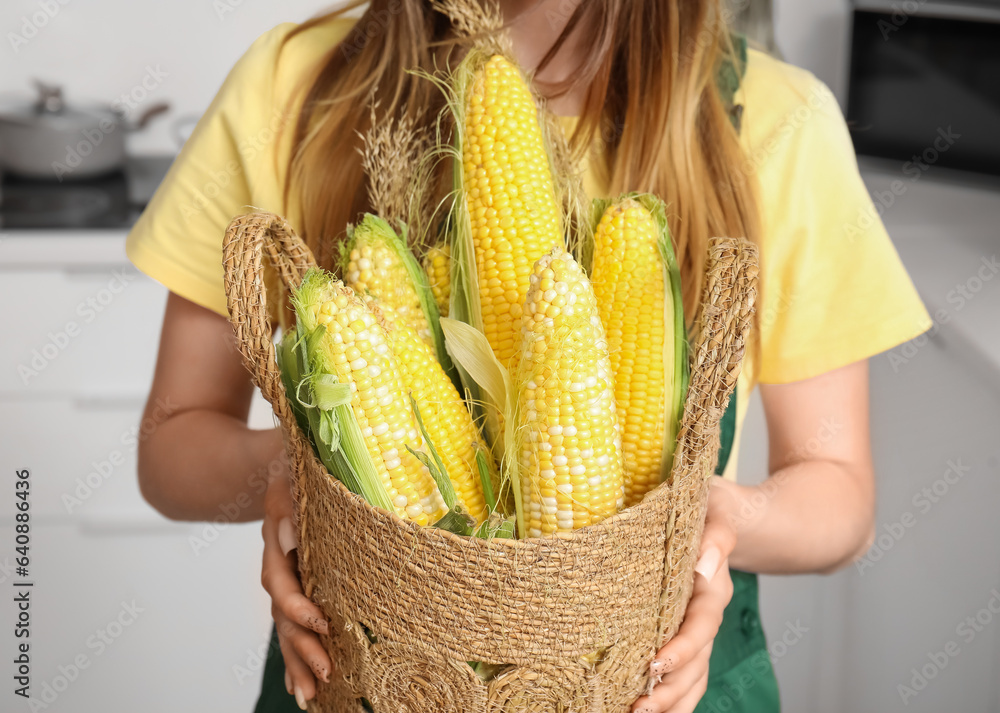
[[652, 108]]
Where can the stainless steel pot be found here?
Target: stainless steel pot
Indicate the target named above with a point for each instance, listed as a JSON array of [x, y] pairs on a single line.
[[50, 139]]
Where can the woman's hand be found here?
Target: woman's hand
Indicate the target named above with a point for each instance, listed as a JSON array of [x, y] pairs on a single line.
[[681, 666], [297, 620]]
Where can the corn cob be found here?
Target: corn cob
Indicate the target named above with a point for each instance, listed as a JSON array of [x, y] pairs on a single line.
[[437, 265], [513, 215], [373, 263], [570, 459], [638, 298], [354, 349], [448, 422]]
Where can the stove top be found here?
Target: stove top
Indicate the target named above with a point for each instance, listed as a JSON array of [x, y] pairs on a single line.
[[110, 201]]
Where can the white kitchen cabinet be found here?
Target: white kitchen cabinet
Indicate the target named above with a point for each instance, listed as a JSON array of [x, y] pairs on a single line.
[[204, 616], [97, 544], [939, 566], [82, 455], [89, 330]]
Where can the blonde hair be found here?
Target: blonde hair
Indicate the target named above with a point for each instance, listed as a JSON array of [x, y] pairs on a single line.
[[653, 114]]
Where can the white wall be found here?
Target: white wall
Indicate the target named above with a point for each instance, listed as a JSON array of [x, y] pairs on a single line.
[[814, 34], [100, 49]]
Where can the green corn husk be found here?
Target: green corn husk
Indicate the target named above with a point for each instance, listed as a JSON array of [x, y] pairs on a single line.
[[433, 463], [486, 479], [322, 408], [475, 359]]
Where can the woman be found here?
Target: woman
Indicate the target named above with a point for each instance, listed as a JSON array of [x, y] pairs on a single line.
[[735, 145]]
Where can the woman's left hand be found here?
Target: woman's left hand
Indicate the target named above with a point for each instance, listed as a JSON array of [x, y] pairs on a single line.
[[681, 666]]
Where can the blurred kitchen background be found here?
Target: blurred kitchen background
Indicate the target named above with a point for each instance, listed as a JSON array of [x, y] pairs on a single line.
[[170, 616]]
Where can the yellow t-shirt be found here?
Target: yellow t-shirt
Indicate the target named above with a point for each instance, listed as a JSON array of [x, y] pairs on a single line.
[[834, 289]]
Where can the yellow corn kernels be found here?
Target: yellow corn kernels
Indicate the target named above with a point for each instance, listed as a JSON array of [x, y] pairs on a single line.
[[443, 412], [570, 457], [376, 268], [628, 279], [357, 349], [437, 265], [510, 195]]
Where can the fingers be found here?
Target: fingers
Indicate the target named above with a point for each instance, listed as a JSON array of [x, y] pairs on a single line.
[[680, 668], [299, 679], [718, 538], [280, 580], [682, 688], [715, 548], [689, 702], [288, 538], [297, 620], [701, 623], [709, 561], [305, 644]]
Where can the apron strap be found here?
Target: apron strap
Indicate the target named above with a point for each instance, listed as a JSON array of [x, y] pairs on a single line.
[[728, 80], [727, 434]]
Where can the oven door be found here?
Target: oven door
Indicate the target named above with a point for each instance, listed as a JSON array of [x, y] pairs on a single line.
[[925, 85]]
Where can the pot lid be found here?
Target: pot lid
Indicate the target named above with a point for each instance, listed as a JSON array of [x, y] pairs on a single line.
[[50, 109]]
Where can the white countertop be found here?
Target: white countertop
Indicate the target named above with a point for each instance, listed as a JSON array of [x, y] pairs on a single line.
[[946, 227]]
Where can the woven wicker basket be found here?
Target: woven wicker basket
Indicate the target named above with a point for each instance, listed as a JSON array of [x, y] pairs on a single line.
[[573, 619]]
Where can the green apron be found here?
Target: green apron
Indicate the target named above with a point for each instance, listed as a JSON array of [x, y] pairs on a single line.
[[740, 676]]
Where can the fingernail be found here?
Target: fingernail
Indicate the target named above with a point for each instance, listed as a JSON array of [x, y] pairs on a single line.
[[321, 672], [288, 683], [300, 698], [287, 539], [708, 564], [661, 668], [320, 626]]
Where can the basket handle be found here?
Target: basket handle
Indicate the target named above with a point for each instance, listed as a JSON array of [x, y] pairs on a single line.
[[719, 344], [248, 238], [717, 351]]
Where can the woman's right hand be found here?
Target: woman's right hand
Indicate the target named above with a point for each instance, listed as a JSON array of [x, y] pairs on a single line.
[[296, 619]]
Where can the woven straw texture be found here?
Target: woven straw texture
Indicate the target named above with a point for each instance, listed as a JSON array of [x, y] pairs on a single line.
[[573, 619]]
